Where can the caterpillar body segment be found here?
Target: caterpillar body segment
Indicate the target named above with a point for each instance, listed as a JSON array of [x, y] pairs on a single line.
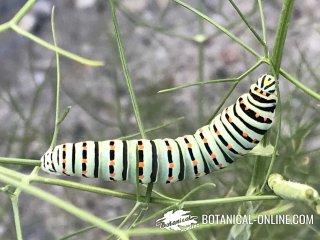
[[230, 135]]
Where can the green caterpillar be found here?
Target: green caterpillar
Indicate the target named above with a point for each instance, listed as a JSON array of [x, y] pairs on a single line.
[[229, 136]]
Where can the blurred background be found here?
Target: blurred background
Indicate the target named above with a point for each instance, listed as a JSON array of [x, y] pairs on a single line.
[[161, 52]]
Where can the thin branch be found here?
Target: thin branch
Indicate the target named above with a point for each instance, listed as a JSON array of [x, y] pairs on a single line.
[[57, 114], [19, 161], [66, 206], [51, 47], [244, 19], [285, 15], [224, 30]]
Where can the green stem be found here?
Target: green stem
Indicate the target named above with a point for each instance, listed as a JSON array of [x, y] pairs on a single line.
[[258, 171], [145, 206], [198, 84], [264, 31], [66, 206], [13, 24], [16, 216], [299, 85], [128, 81], [127, 218], [197, 189], [163, 196], [244, 19], [84, 187], [137, 21], [126, 70], [49, 46], [15, 200], [4, 26], [282, 29], [276, 144], [86, 229], [57, 115], [241, 199], [223, 101], [237, 80], [200, 46], [224, 30], [98, 190], [20, 14], [191, 235], [152, 129], [285, 15], [20, 161]]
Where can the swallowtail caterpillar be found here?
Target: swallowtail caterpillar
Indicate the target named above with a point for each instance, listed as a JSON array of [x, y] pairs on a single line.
[[229, 136]]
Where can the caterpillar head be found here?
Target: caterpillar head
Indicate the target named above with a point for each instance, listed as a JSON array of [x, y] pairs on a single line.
[[266, 83], [46, 162]]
